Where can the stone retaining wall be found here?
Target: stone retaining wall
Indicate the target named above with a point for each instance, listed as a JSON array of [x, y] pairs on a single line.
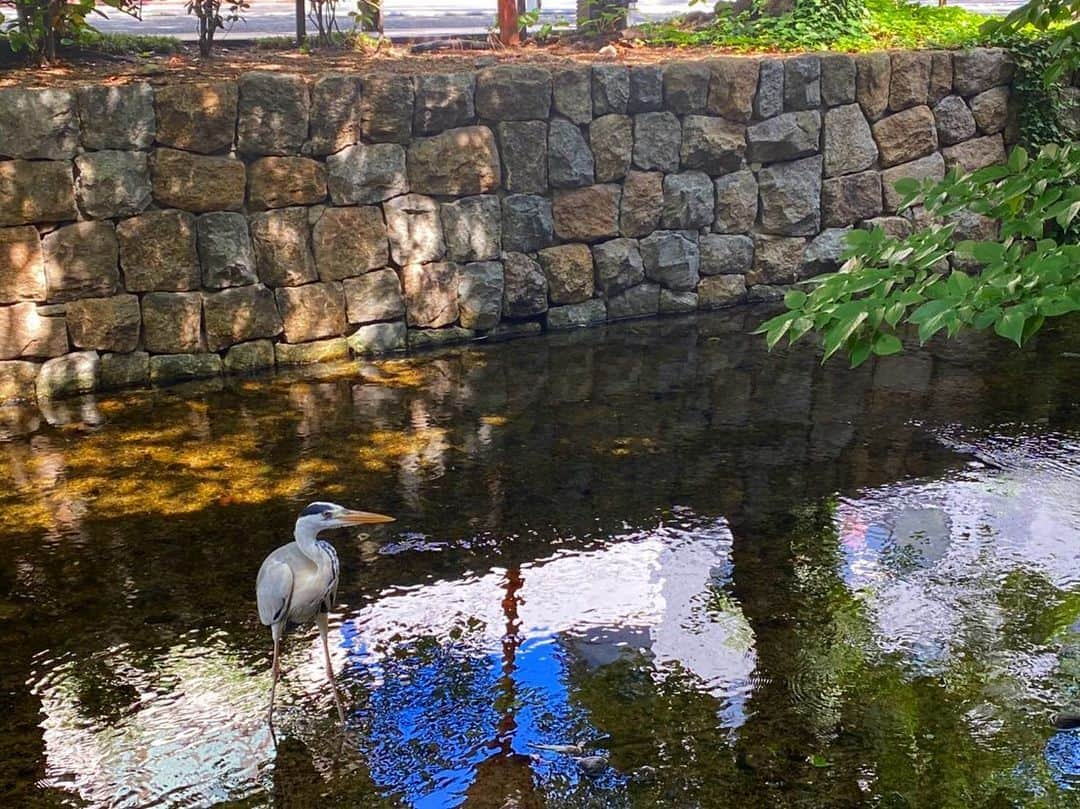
[[154, 234]]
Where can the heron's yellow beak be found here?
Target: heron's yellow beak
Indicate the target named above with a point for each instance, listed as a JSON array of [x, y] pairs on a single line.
[[363, 518]]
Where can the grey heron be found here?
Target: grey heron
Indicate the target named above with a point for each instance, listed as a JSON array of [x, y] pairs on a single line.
[[298, 581]]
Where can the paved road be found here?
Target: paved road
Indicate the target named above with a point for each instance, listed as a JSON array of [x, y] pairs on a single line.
[[403, 17]]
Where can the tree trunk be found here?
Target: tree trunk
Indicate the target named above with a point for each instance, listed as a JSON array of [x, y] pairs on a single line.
[[301, 24]]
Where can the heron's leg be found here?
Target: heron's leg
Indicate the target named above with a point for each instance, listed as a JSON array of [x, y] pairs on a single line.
[[324, 632], [275, 673]]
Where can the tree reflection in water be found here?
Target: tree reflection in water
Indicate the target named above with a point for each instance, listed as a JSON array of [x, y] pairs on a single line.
[[748, 580]]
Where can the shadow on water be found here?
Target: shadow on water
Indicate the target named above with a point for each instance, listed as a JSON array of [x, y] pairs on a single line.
[[645, 566]]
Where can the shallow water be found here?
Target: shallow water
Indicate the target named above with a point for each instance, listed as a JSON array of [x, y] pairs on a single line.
[[649, 566]]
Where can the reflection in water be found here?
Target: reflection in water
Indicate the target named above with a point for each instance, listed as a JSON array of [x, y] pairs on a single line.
[[652, 567]]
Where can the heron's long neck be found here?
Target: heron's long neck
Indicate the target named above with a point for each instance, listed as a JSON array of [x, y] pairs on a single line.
[[307, 537]]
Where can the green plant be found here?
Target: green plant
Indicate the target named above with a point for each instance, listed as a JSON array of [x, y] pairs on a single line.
[[138, 44], [210, 19], [41, 26], [1029, 273], [1060, 19]]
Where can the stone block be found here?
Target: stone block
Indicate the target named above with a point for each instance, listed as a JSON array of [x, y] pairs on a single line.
[[18, 380], [791, 197], [977, 70], [570, 161], [525, 290], [282, 243], [239, 315], [873, 73], [312, 311], [480, 294], [577, 315], [725, 254], [777, 259], [81, 261], [719, 291], [105, 324], [423, 339], [736, 202], [688, 201], [386, 107], [456, 162], [112, 184], [443, 101], [611, 139], [686, 87], [278, 182], [785, 137], [22, 265], [524, 148], [824, 251], [802, 83], [646, 88], [513, 93], [713, 145], [172, 369], [641, 204], [657, 141], [335, 349], [849, 146], [975, 154], [674, 302], [25, 332], [618, 266], [36, 191], [379, 338], [569, 272], [414, 228], [249, 358], [991, 110], [930, 167], [365, 174], [642, 300], [941, 76], [837, 79], [172, 322], [953, 120], [732, 87], [909, 83], [158, 252], [527, 223], [431, 298], [198, 117], [906, 135], [349, 241], [38, 123], [770, 93], [587, 214], [225, 251], [571, 89], [129, 370], [374, 296], [197, 183], [610, 89], [71, 375], [472, 227], [845, 200], [335, 115], [671, 258], [117, 116]]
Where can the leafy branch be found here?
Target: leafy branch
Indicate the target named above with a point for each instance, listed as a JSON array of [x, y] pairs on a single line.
[[934, 281]]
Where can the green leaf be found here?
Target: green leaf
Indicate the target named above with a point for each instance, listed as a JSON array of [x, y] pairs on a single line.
[[886, 344], [794, 299], [1011, 325], [838, 334], [860, 352]]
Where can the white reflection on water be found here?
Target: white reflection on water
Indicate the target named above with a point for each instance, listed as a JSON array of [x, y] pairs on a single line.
[[194, 733]]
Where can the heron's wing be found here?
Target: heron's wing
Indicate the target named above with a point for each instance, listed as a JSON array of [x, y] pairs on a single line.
[[273, 590]]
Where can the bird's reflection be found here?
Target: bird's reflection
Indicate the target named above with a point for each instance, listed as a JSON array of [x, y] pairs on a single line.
[[297, 784]]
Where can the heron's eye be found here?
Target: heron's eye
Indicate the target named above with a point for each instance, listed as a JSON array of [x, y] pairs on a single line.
[[326, 515]]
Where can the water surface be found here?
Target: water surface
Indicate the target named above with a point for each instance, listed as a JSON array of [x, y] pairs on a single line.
[[646, 566]]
